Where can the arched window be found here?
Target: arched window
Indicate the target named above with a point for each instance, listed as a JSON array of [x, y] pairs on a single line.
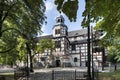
[[75, 59], [73, 47], [59, 20]]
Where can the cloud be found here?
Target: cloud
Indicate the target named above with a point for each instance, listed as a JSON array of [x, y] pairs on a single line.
[[49, 6]]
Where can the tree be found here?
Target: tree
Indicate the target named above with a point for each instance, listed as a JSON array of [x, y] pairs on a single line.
[[9, 58], [21, 49], [47, 44], [112, 56], [21, 17], [20, 13]]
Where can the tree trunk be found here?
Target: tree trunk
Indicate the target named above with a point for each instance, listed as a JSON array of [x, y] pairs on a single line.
[[0, 23], [31, 62], [0, 29], [115, 67], [30, 55], [1, 16]]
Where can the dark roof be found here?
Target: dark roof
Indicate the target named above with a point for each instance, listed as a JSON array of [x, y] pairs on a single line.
[[70, 34], [79, 42], [43, 37], [77, 32]]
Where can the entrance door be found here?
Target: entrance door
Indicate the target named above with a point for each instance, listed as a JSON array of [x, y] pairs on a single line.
[[57, 63]]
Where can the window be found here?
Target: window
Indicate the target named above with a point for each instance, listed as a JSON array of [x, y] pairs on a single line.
[[58, 44], [43, 58], [73, 47], [59, 20], [66, 32], [75, 59], [57, 31], [67, 45]]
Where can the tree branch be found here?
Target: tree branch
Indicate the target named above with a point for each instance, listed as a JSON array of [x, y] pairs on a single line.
[[7, 50], [23, 35], [34, 54], [6, 14]]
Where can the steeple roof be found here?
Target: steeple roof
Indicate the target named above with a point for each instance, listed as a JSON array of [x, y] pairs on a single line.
[[60, 19]]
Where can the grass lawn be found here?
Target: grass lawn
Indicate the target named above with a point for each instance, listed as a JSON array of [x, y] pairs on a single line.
[[8, 76], [113, 75]]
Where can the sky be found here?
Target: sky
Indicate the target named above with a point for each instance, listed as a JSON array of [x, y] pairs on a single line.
[[51, 14]]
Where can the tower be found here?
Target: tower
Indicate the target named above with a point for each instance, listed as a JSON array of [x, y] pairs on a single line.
[[60, 33], [60, 29]]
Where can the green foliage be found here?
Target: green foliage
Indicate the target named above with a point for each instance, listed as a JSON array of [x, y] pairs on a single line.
[[103, 9], [68, 7], [9, 58], [8, 41], [45, 44], [113, 54], [106, 11], [20, 22], [26, 16], [21, 17], [21, 48]]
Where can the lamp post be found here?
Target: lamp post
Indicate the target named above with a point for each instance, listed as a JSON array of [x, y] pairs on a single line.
[[88, 55], [88, 46], [92, 39]]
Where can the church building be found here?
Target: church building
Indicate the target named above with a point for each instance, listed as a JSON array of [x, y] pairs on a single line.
[[71, 47]]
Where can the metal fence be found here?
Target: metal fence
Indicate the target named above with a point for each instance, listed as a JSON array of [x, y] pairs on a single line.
[[21, 74], [60, 75]]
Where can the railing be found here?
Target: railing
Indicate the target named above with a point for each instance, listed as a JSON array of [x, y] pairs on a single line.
[[20, 73], [61, 75], [57, 74], [96, 74]]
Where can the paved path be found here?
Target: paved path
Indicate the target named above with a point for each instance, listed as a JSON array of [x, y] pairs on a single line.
[[6, 70], [61, 69]]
